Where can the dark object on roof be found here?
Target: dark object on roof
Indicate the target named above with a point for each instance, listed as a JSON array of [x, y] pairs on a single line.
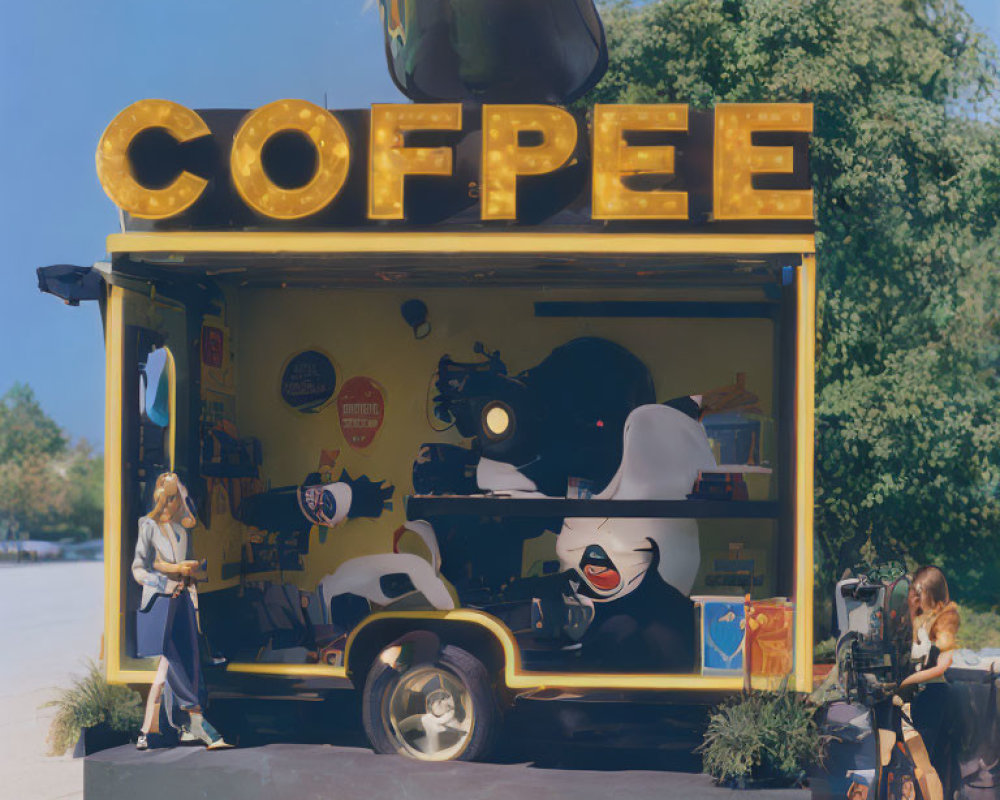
[[494, 51], [71, 284]]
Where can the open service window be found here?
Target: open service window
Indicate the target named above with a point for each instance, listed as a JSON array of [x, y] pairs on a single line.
[[594, 461]]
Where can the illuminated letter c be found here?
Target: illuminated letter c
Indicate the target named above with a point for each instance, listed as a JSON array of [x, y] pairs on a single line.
[[114, 169]]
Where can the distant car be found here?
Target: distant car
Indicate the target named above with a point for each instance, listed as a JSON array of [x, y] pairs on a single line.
[[90, 550], [32, 550]]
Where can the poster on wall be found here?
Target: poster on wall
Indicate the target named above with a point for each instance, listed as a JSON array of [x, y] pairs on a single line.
[[308, 381], [723, 630], [212, 343], [361, 408], [217, 372]]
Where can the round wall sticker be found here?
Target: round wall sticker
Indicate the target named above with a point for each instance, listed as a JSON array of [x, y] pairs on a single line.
[[308, 381], [361, 407]]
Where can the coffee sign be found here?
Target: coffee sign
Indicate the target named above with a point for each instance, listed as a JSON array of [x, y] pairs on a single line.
[[294, 163]]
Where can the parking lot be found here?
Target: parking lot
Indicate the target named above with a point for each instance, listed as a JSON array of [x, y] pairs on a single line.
[[307, 771]]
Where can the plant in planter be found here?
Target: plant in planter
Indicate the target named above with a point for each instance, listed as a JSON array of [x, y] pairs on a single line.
[[761, 738], [99, 714]]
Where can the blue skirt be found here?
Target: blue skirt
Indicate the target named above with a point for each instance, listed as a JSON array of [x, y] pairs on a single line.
[[169, 627], [151, 627]]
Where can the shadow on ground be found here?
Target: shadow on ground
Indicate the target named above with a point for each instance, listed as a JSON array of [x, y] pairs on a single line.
[[553, 736]]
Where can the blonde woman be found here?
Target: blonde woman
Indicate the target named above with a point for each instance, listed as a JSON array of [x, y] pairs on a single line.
[[167, 621], [935, 623]]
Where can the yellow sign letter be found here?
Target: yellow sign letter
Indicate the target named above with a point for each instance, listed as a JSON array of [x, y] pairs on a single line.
[[333, 157], [390, 162], [504, 158], [614, 159], [737, 160], [114, 169]]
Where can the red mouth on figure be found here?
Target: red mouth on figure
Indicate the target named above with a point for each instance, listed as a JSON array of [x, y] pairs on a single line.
[[603, 578], [599, 570]]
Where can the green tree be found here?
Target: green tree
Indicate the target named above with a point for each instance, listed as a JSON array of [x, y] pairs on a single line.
[[25, 429], [905, 166], [85, 471], [32, 495], [48, 489]]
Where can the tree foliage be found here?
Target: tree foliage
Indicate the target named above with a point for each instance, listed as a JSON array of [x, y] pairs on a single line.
[[25, 430], [48, 489], [905, 166]]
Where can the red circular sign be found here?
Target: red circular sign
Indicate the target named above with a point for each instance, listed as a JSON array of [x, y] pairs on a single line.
[[361, 408]]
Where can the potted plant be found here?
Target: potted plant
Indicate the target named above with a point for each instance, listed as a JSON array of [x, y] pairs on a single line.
[[93, 715], [761, 739]]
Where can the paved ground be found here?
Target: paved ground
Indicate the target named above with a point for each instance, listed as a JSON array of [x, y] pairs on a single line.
[[50, 623], [326, 772]]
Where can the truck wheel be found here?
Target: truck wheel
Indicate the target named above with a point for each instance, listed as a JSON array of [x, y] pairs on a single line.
[[443, 710]]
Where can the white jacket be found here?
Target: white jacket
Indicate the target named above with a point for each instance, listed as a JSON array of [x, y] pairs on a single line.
[[169, 541]]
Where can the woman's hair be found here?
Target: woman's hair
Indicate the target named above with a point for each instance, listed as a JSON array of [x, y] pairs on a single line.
[[931, 589], [168, 485]]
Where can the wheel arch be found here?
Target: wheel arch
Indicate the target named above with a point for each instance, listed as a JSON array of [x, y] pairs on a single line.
[[480, 634]]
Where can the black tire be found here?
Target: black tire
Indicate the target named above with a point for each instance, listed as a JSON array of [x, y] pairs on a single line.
[[388, 686]]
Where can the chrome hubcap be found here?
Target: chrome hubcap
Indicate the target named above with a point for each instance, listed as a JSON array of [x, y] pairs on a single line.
[[429, 714]]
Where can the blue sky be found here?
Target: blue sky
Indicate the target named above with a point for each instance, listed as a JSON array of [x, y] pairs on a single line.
[[68, 67]]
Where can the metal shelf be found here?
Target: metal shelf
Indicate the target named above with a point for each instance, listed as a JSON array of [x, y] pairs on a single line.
[[423, 506]]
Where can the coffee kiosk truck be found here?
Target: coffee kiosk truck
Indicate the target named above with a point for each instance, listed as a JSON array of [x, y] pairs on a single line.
[[474, 403]]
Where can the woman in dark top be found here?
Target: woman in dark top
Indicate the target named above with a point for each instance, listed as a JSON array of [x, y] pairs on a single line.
[[935, 623]]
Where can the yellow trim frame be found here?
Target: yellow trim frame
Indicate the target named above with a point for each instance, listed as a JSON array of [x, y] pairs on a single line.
[[515, 676], [494, 243], [172, 406], [289, 670], [805, 368], [115, 355]]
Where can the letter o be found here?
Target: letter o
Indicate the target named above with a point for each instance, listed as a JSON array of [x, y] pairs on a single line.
[[333, 159]]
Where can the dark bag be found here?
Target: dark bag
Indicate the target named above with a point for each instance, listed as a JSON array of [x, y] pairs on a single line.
[[975, 699], [151, 626], [980, 781], [850, 768]]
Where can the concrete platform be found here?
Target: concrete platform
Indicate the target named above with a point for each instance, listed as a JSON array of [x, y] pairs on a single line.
[[329, 772]]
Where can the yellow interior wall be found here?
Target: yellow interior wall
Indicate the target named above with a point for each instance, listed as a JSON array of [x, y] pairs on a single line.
[[364, 334], [759, 539]]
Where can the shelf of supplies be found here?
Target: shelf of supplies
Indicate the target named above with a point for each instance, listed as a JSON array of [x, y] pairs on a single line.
[[424, 506]]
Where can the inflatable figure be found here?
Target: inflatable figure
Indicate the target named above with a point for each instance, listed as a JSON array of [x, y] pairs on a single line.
[[293, 508], [664, 449], [638, 573], [384, 578]]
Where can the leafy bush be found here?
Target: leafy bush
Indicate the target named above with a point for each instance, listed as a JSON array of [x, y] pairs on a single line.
[[761, 737], [825, 652], [979, 629], [90, 701]]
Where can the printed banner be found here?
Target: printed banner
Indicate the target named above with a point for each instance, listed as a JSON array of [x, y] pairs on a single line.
[[361, 407]]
